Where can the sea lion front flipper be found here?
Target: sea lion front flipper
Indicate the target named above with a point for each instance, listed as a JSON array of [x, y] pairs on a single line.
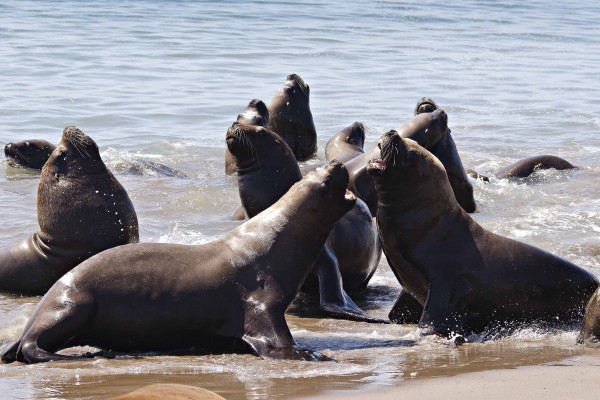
[[334, 300], [443, 314], [406, 310], [269, 336]]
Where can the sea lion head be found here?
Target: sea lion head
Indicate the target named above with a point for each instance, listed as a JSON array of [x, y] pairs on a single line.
[[28, 153], [256, 113], [330, 184], [294, 83], [356, 134], [252, 145], [408, 169], [76, 155], [425, 105]]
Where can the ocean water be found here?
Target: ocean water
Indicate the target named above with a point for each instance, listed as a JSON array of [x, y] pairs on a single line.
[[162, 81]]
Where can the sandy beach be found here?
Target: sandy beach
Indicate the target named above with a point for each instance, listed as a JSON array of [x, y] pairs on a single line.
[[574, 378]]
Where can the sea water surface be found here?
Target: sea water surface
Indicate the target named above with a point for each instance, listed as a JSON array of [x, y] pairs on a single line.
[[162, 81]]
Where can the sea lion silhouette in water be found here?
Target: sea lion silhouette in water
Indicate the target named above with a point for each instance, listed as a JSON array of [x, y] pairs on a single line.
[[291, 119], [527, 166], [82, 210], [590, 331], [467, 278], [185, 298], [32, 153], [266, 170], [256, 113]]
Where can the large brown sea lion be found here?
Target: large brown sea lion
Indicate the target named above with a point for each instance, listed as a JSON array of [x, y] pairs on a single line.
[[82, 210], [266, 170], [467, 278], [290, 117], [590, 331], [256, 113], [31, 153], [211, 297]]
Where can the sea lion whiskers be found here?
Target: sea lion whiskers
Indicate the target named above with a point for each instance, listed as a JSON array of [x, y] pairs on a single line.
[[241, 135], [20, 154], [80, 145]]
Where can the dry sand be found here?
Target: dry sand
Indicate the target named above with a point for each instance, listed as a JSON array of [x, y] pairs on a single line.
[[577, 378]]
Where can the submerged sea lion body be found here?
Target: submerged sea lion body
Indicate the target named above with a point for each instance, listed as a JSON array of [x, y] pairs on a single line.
[[207, 298], [467, 278], [527, 166], [82, 210]]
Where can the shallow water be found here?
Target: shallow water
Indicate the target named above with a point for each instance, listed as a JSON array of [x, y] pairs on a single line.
[[162, 81]]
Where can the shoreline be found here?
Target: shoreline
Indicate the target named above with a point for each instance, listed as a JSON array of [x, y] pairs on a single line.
[[572, 378]]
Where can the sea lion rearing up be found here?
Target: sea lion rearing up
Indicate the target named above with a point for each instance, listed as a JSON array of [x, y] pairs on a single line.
[[31, 153], [256, 113], [290, 117], [82, 210], [467, 278], [185, 298], [266, 170]]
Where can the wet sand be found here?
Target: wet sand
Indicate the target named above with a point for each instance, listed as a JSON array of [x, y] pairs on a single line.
[[573, 378]]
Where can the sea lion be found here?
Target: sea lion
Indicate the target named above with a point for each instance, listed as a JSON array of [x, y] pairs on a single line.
[[445, 150], [590, 331], [31, 153], [527, 166], [256, 113], [34, 153], [467, 278], [266, 170], [290, 117], [346, 144], [82, 210], [156, 297], [427, 129], [169, 391]]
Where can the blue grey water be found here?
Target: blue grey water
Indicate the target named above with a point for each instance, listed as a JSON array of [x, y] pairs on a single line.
[[163, 80]]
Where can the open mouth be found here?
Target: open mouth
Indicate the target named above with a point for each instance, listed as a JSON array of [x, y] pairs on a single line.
[[377, 164]]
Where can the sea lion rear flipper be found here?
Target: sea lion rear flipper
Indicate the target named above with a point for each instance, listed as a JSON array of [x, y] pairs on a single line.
[[442, 314], [406, 310], [334, 300]]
